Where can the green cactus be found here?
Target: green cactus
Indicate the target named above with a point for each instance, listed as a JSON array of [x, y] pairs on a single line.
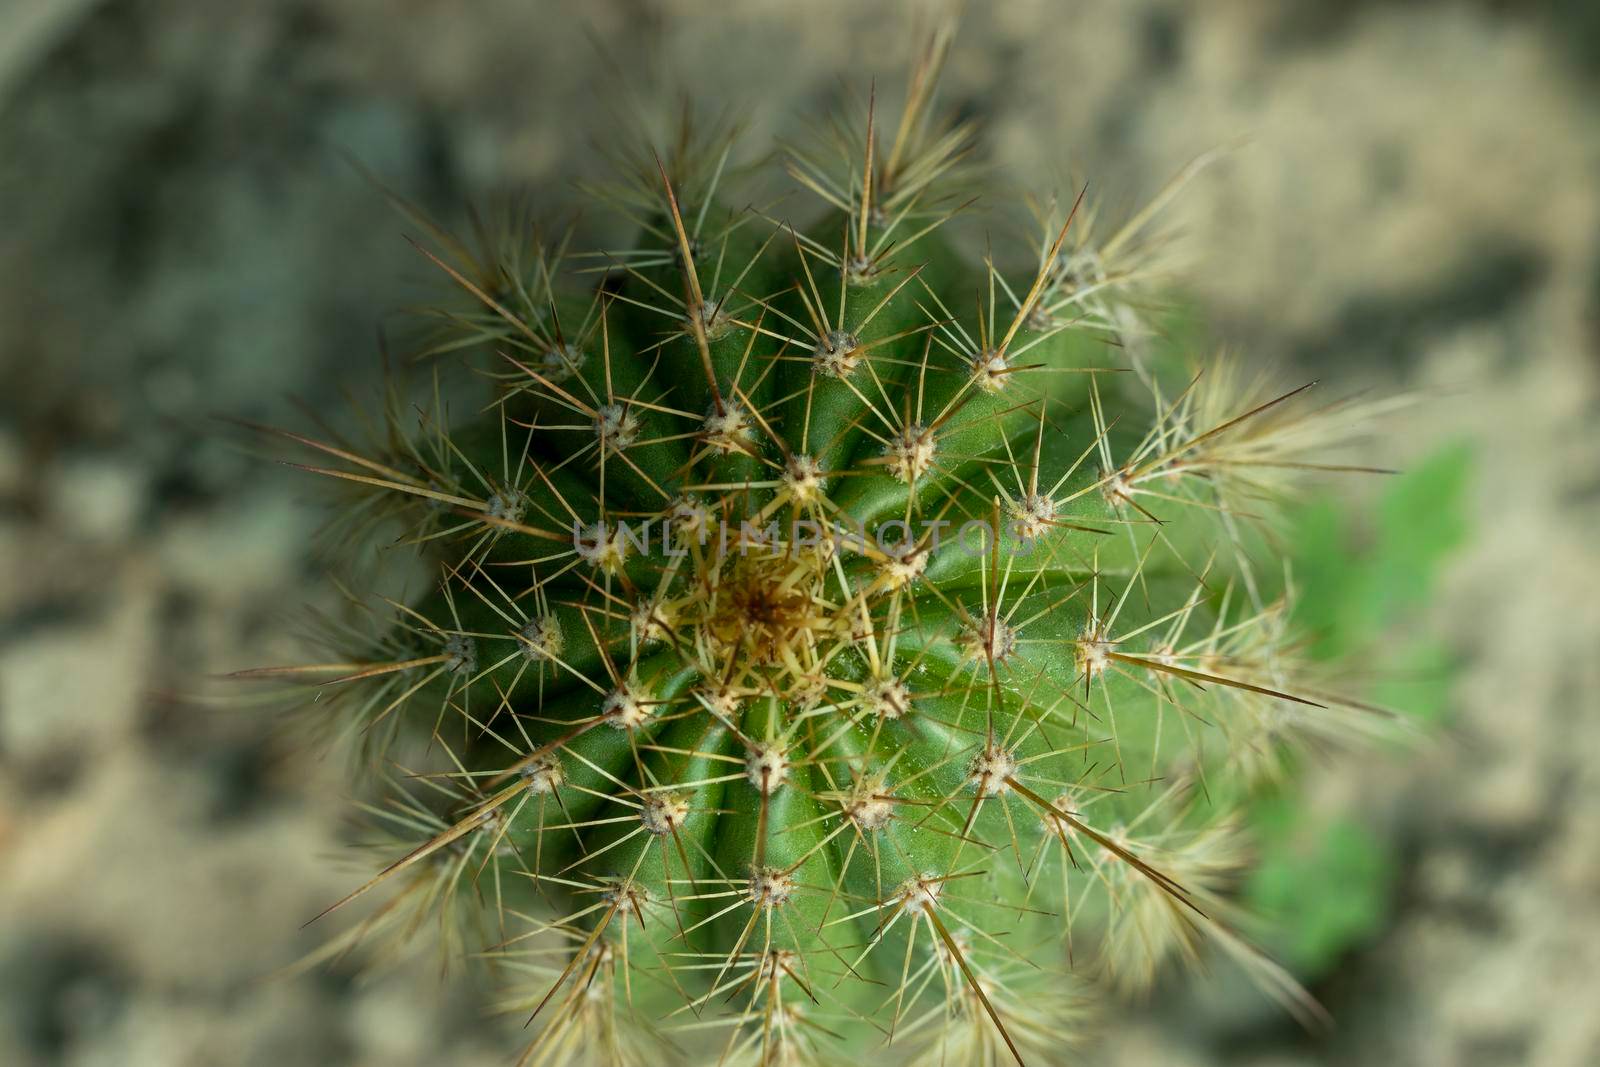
[[834, 639]]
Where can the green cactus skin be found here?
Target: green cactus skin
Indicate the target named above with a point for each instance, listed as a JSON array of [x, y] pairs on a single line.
[[785, 784]]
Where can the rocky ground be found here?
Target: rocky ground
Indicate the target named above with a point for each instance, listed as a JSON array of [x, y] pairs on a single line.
[[1409, 199]]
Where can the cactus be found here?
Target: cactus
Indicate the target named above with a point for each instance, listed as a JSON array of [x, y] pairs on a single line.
[[834, 639]]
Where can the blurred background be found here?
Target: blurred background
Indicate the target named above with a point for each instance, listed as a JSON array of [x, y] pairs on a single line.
[[1411, 201]]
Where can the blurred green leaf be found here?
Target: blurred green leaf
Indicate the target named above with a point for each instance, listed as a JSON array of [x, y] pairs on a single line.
[[1417, 681], [1324, 884], [1420, 522], [1333, 593], [1355, 584]]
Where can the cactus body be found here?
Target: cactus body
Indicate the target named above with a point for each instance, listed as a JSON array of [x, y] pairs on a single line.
[[827, 623]]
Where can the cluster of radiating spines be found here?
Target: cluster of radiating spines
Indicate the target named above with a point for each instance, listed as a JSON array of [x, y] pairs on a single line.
[[1103, 281], [889, 187], [509, 272], [456, 902], [749, 755], [963, 987]]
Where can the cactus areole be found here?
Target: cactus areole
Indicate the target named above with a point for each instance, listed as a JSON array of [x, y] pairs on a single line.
[[839, 643]]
